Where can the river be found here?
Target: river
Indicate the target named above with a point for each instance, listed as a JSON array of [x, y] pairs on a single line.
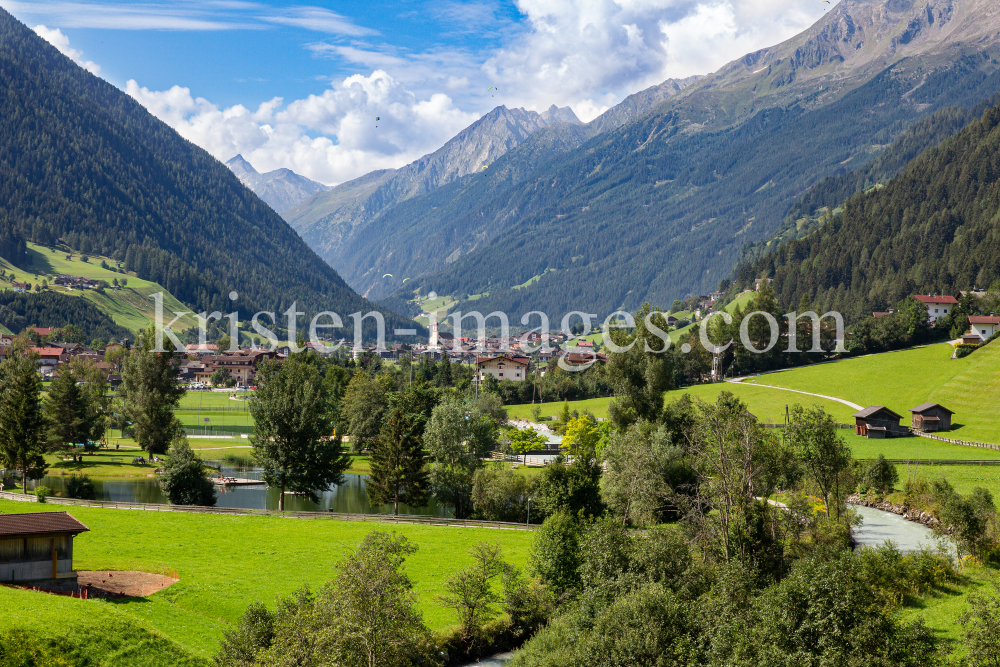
[[879, 526]]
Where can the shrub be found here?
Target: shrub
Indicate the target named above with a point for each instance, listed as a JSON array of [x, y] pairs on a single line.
[[555, 553], [963, 351], [184, 480], [81, 486], [879, 475], [500, 494], [42, 493]]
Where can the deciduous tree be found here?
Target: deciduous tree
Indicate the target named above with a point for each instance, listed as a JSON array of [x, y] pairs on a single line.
[[149, 392]]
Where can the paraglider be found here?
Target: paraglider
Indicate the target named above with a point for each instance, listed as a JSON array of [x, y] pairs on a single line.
[[405, 279], [388, 275], [491, 88]]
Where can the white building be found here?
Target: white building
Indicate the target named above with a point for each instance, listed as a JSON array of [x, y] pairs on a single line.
[[937, 305], [984, 326], [504, 367]]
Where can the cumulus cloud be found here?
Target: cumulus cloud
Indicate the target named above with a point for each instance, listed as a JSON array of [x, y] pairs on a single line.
[[57, 39], [591, 53], [330, 137]]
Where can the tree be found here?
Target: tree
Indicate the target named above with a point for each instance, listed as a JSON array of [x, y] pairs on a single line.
[[71, 420], [222, 378], [444, 377], [814, 436], [292, 439], [370, 609], [574, 488], [555, 553], [82, 487], [397, 464], [641, 374], [253, 634], [94, 385], [470, 591], [642, 469], [184, 479], [22, 422], [879, 475], [149, 392], [455, 440], [363, 409], [500, 494], [524, 440], [582, 436]]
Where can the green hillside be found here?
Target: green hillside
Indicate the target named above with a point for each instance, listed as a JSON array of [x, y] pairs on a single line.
[[131, 307], [227, 562], [904, 379], [932, 229], [84, 163]]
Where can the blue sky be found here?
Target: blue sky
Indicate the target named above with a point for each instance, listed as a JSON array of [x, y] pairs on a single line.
[[298, 84]]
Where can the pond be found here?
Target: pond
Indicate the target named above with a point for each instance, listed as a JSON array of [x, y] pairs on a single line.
[[879, 526], [349, 497]]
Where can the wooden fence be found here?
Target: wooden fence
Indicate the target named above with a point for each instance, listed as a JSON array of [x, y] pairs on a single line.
[[942, 462], [955, 441], [241, 511]]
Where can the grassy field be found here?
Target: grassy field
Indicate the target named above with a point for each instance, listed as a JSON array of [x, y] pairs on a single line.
[[227, 562], [131, 307], [904, 379], [941, 609]]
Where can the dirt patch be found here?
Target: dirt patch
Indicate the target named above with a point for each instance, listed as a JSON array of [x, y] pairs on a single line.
[[128, 583]]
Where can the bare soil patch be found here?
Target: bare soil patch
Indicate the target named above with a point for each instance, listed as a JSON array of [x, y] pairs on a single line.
[[123, 583]]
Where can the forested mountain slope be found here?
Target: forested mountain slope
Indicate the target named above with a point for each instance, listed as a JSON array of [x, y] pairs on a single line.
[[82, 161], [346, 223], [661, 207], [933, 229]]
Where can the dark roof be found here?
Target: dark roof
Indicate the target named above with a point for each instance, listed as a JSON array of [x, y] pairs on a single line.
[[872, 409], [924, 407], [39, 523]]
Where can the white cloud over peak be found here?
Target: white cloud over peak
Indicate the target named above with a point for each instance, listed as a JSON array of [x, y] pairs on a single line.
[[57, 39], [331, 137]]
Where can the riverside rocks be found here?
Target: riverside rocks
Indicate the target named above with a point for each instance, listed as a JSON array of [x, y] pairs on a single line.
[[925, 518]]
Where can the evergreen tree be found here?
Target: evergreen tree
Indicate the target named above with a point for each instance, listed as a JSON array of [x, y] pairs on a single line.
[[149, 393], [22, 423], [183, 479], [71, 420], [397, 464], [292, 438], [444, 378]]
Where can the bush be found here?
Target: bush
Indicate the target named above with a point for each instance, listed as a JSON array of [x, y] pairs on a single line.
[[500, 494], [962, 351], [184, 480], [879, 475], [42, 493], [81, 487], [555, 553], [981, 628]]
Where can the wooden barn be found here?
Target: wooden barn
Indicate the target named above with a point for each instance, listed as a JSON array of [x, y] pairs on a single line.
[[37, 548], [878, 421], [931, 417]]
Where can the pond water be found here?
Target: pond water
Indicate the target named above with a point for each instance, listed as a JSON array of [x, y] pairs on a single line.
[[349, 497], [879, 526]]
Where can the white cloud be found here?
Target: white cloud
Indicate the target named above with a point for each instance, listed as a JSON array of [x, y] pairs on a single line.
[[319, 20], [592, 53], [331, 137], [57, 39]]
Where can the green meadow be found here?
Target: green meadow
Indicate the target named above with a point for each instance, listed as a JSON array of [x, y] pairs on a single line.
[[227, 562]]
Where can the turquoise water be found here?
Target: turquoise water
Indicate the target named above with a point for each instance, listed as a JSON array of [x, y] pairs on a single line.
[[879, 526]]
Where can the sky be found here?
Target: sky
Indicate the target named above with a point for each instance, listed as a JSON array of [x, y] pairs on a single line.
[[300, 84]]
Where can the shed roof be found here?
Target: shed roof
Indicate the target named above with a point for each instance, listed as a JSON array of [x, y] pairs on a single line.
[[39, 523], [984, 319], [872, 409], [924, 407]]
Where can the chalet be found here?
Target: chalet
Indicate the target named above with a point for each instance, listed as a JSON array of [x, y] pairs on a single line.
[[197, 348], [760, 281], [715, 296], [42, 331], [49, 356], [937, 305], [878, 421], [37, 548], [983, 326], [502, 367], [20, 287], [931, 417]]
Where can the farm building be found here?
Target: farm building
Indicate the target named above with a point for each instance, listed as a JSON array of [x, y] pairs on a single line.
[[983, 326], [931, 417], [937, 305], [37, 548], [878, 421]]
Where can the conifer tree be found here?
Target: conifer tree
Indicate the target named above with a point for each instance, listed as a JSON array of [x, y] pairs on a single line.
[[70, 417], [22, 424], [444, 378], [397, 464], [149, 393]]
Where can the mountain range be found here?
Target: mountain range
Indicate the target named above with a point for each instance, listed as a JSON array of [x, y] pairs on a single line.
[[280, 189], [84, 165], [658, 198]]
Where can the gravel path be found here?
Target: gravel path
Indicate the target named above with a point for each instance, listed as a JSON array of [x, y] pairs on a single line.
[[849, 404]]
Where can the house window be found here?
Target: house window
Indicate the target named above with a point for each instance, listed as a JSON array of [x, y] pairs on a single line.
[[501, 375]]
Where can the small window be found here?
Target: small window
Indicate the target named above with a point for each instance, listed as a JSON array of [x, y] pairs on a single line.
[[501, 375]]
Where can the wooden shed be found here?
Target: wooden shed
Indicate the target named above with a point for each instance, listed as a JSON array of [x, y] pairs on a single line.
[[931, 417], [877, 421], [37, 548]]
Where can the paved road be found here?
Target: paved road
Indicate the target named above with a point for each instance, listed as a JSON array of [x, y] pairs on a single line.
[[849, 404]]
